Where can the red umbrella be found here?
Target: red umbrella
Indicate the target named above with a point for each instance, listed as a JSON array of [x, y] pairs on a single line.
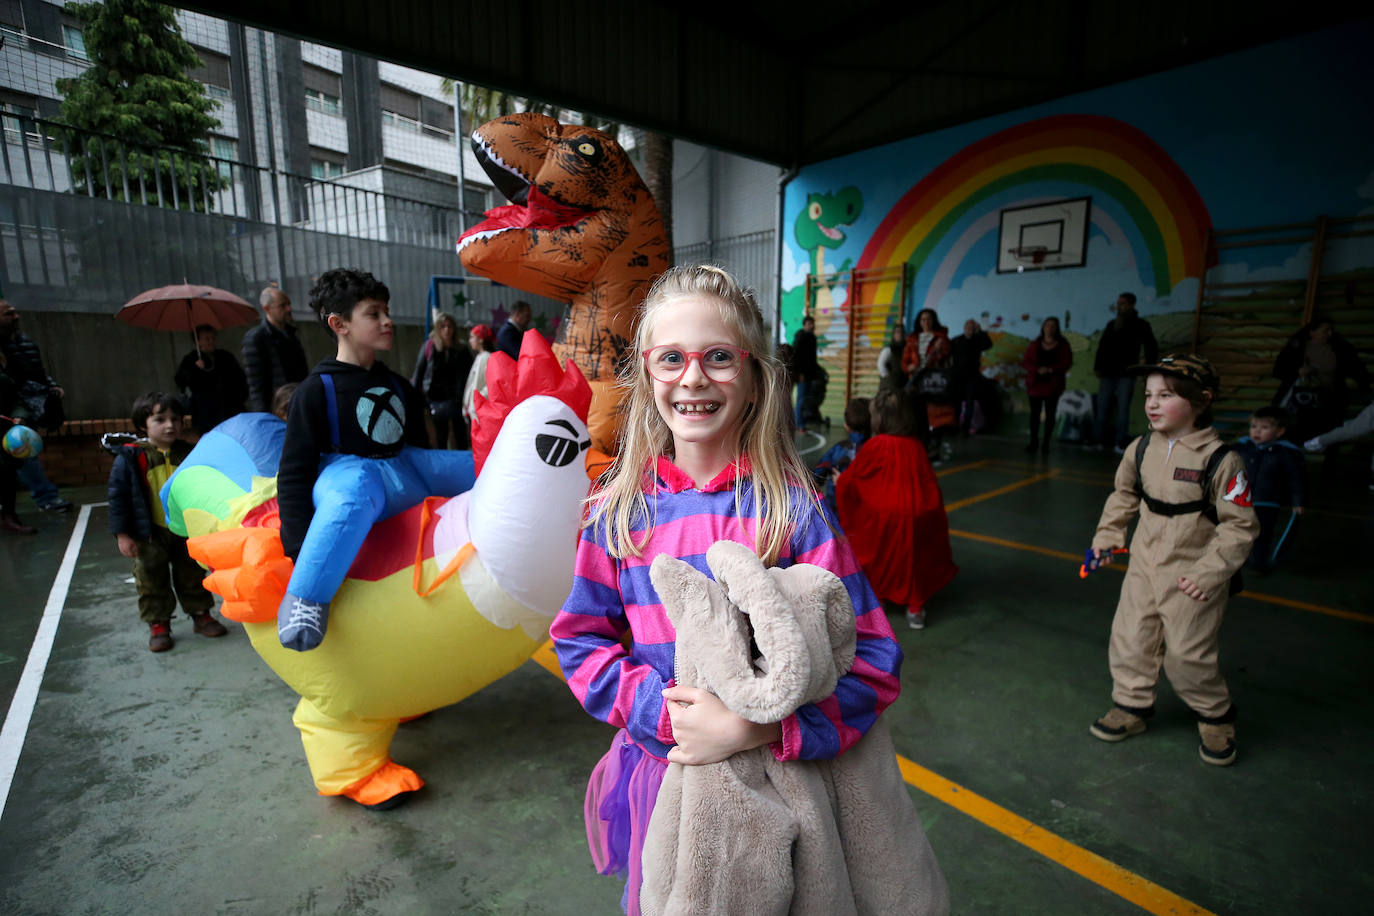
[[184, 307]]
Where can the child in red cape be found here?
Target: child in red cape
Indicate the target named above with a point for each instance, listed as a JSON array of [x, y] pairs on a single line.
[[891, 509]]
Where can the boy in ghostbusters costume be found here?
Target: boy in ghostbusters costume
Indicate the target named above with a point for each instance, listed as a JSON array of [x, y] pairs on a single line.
[[1195, 531]]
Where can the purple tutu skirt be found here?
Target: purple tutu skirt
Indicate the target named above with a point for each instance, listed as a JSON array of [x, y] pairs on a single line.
[[620, 799]]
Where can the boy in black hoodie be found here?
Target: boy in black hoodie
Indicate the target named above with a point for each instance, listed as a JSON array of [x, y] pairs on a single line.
[[355, 453]]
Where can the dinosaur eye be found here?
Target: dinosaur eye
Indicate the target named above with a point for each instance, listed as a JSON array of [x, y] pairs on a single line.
[[814, 211], [586, 148]]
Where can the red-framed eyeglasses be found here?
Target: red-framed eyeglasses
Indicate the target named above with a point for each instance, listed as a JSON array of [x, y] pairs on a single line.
[[719, 362]]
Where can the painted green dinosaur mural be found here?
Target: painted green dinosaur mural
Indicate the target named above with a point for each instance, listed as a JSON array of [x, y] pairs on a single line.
[[817, 228]]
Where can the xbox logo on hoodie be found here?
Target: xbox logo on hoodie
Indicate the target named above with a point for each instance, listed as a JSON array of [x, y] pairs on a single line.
[[382, 415]]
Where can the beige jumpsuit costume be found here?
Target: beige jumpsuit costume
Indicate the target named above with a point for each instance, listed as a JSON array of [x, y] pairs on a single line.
[[1155, 622]]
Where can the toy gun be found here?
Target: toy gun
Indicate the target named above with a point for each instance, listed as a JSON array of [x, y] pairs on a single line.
[[1091, 563]]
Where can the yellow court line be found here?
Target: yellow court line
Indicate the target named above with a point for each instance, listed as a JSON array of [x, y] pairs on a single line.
[[961, 503], [1126, 884], [1121, 567], [963, 467]]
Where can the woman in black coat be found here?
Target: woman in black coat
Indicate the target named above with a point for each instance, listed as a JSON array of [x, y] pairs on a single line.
[[1314, 369], [441, 369]]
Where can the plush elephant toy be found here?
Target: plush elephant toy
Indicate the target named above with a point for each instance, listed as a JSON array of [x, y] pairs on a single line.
[[753, 834]]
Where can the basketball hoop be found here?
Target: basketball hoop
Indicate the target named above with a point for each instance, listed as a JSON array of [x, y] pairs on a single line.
[[1028, 256]]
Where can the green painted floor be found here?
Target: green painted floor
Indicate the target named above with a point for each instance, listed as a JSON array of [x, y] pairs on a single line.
[[174, 783]]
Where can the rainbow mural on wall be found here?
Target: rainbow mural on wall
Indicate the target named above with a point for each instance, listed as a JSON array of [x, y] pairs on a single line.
[[937, 221]]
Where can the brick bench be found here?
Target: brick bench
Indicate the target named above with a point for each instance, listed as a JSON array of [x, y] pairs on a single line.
[[72, 456]]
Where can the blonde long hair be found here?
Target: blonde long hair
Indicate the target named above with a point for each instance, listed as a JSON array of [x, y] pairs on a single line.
[[764, 431], [441, 319]]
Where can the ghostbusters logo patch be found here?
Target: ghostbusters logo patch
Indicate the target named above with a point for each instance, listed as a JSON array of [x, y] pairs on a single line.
[[1192, 475], [1238, 490]]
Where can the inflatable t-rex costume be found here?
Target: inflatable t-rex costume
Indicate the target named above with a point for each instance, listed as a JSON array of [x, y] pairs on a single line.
[[755, 835], [581, 227]]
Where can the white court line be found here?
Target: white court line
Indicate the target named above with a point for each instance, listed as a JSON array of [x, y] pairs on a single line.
[[820, 443], [26, 694]]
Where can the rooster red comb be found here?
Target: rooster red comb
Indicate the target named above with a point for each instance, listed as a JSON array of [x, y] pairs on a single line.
[[510, 382]]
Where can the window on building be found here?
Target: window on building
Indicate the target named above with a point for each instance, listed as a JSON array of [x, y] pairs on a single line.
[[223, 148], [323, 90], [323, 170], [325, 163], [17, 110], [75, 42], [476, 197], [396, 119], [213, 74], [323, 102], [436, 117], [217, 93]]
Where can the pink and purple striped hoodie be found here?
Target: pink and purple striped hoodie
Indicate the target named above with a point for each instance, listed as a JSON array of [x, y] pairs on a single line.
[[612, 596]]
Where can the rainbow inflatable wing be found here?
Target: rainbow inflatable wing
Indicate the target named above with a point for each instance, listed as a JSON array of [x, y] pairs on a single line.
[[442, 599]]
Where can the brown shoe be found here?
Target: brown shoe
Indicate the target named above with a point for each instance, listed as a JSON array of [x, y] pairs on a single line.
[[1218, 745], [1117, 725], [11, 523], [160, 639], [206, 625]]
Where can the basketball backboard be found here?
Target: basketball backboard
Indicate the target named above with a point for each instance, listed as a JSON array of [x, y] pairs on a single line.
[[1044, 236]]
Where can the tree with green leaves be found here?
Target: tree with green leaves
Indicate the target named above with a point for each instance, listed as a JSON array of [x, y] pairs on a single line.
[[140, 123]]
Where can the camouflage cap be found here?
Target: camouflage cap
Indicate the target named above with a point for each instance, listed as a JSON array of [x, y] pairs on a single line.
[[1185, 365]]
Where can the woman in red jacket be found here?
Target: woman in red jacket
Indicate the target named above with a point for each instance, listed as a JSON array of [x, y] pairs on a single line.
[[1047, 363]]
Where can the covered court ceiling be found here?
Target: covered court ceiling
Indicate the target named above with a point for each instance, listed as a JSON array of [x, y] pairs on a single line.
[[787, 82]]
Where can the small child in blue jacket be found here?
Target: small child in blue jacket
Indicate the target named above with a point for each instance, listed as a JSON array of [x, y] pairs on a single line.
[[163, 571], [1278, 478]]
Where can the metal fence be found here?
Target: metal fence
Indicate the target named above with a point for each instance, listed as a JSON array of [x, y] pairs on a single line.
[[752, 258], [87, 221]]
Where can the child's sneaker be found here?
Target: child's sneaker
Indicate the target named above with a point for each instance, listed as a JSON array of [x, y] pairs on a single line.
[[916, 618], [301, 622], [160, 637], [205, 625], [1218, 745], [1117, 725]]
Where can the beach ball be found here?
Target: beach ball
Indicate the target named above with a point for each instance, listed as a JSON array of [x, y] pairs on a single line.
[[22, 442]]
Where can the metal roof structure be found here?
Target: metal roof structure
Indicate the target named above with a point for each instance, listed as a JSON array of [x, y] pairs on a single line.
[[787, 82]]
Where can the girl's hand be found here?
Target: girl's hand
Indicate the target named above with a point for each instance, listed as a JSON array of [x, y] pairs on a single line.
[[706, 730], [1191, 589], [1103, 557]]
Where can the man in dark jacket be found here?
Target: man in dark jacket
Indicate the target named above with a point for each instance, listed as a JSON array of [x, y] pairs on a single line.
[[1120, 348], [806, 367], [39, 402], [213, 379], [967, 369], [272, 353], [513, 331]]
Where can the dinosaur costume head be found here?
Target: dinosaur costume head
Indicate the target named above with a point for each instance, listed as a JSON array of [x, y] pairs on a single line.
[[581, 227]]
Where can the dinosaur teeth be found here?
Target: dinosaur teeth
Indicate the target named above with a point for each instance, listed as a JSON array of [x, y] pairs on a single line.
[[484, 234], [492, 155]]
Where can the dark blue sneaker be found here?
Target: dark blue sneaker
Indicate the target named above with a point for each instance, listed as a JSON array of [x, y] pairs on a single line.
[[301, 622]]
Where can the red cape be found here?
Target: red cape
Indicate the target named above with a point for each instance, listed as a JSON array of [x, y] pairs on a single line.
[[890, 507]]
